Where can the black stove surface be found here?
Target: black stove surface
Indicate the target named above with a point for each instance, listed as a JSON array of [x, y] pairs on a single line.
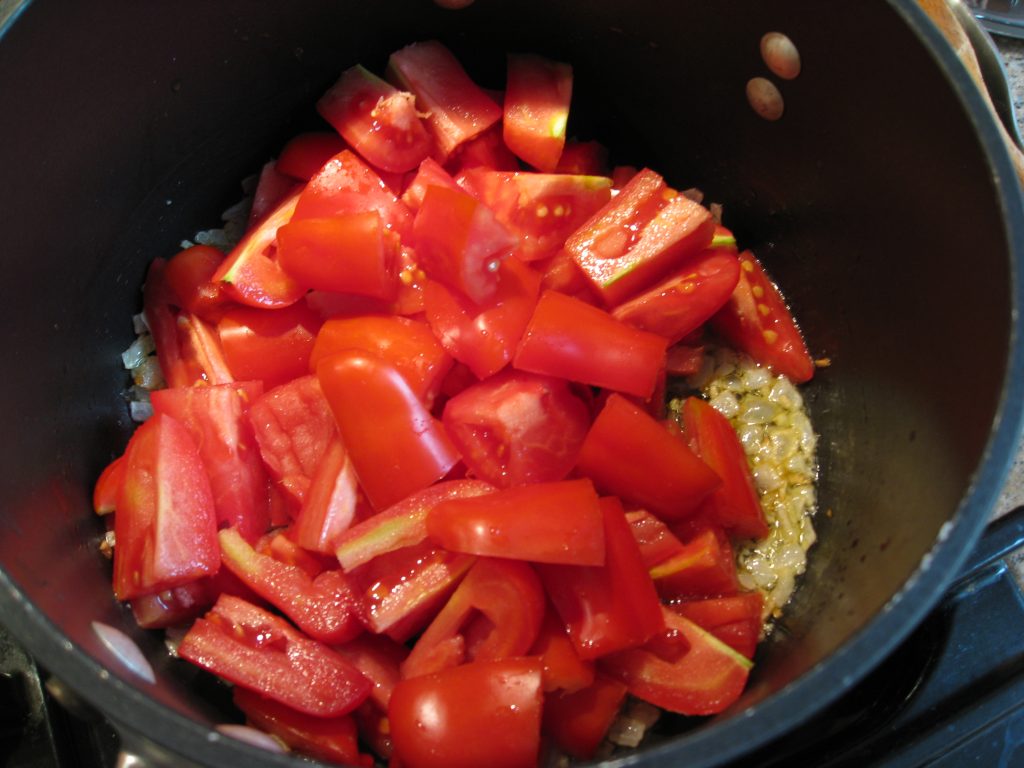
[[951, 696]]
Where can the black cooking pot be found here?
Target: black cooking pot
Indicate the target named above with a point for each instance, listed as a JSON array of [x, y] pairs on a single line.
[[882, 201]]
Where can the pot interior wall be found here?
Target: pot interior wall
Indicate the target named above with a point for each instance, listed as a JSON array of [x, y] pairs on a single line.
[[124, 131]]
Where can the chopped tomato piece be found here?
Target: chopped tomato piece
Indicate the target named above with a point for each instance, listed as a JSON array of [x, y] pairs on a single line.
[[703, 681], [396, 446], [456, 108], [482, 713], [189, 275], [683, 360], [272, 189], [307, 153], [376, 119], [757, 321], [403, 589], [517, 428], [294, 425], [348, 253], [166, 523], [330, 503], [406, 344], [609, 607], [430, 174], [537, 109], [705, 568], [657, 542], [202, 355], [578, 721], [543, 522], [563, 668], [379, 658], [541, 209], [686, 300], [108, 487], [494, 613], [256, 650], [587, 158], [326, 608], [734, 504], [284, 550], [576, 341], [632, 455], [460, 243], [333, 739], [402, 524], [250, 274], [217, 417], [172, 607], [345, 184], [485, 150], [272, 346], [157, 298], [735, 620], [484, 336], [639, 236]]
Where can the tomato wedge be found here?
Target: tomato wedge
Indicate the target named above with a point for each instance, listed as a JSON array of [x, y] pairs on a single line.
[[269, 345], [331, 501], [325, 608], [735, 620], [307, 153], [482, 713], [108, 487], [250, 273], [757, 321], [217, 417], [657, 542], [706, 567], [272, 189], [563, 668], [734, 504], [429, 174], [537, 109], [189, 275], [632, 455], [542, 522], [579, 720], [639, 236], [262, 652], [166, 523], [494, 613], [396, 446], [517, 428], [456, 108], [573, 340], [376, 119], [704, 681]]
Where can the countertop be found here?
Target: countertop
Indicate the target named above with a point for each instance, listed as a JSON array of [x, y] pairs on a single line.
[[1012, 53]]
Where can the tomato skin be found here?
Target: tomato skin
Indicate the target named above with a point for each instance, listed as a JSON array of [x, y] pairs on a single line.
[[345, 184], [482, 713], [294, 426], [630, 454], [610, 607], [703, 681], [494, 613], [484, 336], [734, 504], [406, 344], [272, 346], [562, 667], [578, 721], [460, 243], [189, 276], [757, 321], [558, 522], [217, 417], [396, 446], [250, 274], [517, 428], [537, 109], [262, 652], [573, 340], [108, 487], [333, 739], [683, 302], [325, 608], [640, 235], [401, 525], [349, 253], [166, 523], [376, 119], [540, 209], [458, 109], [307, 153]]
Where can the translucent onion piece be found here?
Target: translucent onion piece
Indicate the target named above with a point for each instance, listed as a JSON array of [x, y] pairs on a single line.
[[124, 649], [252, 736]]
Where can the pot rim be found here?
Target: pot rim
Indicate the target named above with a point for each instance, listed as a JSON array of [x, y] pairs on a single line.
[[719, 741]]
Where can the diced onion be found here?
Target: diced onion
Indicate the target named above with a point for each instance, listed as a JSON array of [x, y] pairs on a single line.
[[252, 736], [124, 649]]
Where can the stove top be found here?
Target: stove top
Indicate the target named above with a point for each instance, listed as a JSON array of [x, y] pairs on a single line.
[[952, 694]]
